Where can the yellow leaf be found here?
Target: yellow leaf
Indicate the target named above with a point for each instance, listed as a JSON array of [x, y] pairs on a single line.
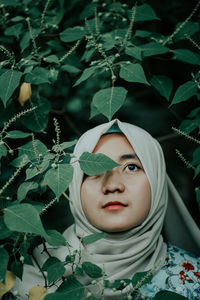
[[37, 293], [9, 282], [24, 92]]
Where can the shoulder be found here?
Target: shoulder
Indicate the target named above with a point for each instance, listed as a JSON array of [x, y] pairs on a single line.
[[180, 274]]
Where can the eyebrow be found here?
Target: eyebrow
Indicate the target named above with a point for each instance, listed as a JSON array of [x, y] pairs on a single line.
[[128, 156]]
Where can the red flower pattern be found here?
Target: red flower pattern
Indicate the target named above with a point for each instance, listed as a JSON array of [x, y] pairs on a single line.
[[197, 274], [184, 277], [187, 266]]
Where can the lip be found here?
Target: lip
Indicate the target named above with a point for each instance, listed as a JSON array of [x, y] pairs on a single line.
[[114, 205]]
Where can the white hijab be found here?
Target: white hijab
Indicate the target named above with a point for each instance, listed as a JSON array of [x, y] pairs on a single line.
[[142, 248]]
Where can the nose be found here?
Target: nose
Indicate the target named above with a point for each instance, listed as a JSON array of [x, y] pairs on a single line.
[[112, 183]]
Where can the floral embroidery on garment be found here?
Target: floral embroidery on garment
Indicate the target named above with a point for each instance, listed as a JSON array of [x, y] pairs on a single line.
[[180, 274]]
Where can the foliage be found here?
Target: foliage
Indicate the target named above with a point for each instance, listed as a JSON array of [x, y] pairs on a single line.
[[66, 61]]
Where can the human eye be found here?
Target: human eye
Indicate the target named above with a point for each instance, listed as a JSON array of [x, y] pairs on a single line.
[[132, 167]]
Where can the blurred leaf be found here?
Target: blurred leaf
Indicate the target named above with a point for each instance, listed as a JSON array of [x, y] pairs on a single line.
[[153, 48], [37, 120], [24, 188], [89, 239], [134, 51], [141, 278], [29, 150], [144, 12], [49, 262], [187, 56], [3, 264], [51, 59], [168, 295], [59, 178], [9, 81], [70, 69], [4, 231], [94, 164], [71, 289], [38, 76], [197, 171], [184, 92], [17, 268], [108, 101], [64, 145], [92, 270], [189, 28], [55, 238], [3, 150], [133, 73], [197, 190], [17, 134], [72, 34], [196, 156], [55, 271], [9, 2], [163, 85], [85, 75], [14, 30]]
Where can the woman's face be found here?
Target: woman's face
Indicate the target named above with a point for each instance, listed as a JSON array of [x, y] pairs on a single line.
[[118, 199]]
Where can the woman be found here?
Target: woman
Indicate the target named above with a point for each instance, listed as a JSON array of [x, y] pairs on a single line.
[[130, 204]]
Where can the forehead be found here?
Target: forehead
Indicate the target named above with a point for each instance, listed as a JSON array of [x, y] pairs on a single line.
[[113, 145]]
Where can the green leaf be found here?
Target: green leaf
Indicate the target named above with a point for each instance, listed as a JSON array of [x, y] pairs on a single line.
[[64, 145], [163, 85], [144, 12], [134, 51], [49, 262], [28, 150], [17, 134], [197, 171], [93, 238], [189, 28], [18, 161], [196, 156], [153, 48], [55, 238], [59, 178], [17, 268], [133, 73], [187, 56], [9, 81], [168, 295], [24, 188], [24, 218], [3, 264], [184, 92], [3, 150], [85, 75], [94, 164], [4, 231], [197, 190], [31, 172], [72, 34], [38, 76], [108, 101], [92, 270], [55, 271], [37, 120], [70, 69], [14, 30], [71, 289], [51, 59], [9, 3], [141, 278]]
